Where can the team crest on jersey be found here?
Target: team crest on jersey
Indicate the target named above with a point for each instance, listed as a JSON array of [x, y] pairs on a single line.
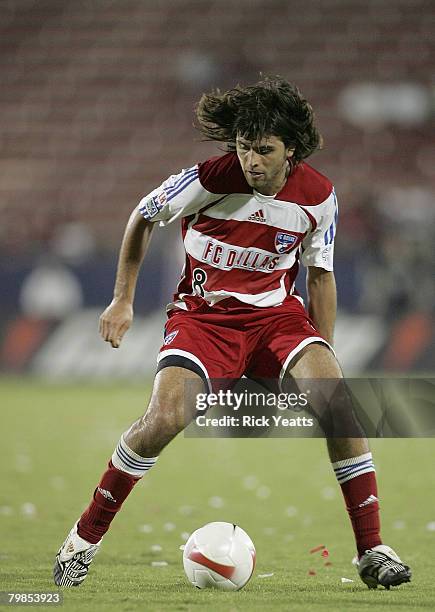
[[284, 242], [169, 338]]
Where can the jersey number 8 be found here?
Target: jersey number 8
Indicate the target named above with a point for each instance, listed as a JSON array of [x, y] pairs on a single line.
[[198, 282]]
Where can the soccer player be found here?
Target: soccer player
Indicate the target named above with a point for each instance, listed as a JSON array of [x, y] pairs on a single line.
[[247, 218]]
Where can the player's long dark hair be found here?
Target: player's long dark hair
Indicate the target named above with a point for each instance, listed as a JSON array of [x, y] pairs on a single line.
[[270, 107]]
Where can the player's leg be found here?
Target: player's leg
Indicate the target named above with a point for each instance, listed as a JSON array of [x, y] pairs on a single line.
[[351, 460], [196, 348], [168, 412], [136, 453], [139, 447], [316, 368]]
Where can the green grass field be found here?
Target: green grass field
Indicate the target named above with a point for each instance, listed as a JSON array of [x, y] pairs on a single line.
[[57, 439]]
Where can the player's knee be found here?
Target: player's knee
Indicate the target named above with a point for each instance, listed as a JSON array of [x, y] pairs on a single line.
[[172, 421], [156, 428], [168, 410]]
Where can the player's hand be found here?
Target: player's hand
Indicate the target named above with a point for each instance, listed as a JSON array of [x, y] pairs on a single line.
[[115, 321]]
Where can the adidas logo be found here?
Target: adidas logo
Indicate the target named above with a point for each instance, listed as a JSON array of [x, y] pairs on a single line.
[[371, 499], [107, 494], [258, 216]]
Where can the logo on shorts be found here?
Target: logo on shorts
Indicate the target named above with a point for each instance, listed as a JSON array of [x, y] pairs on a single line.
[[284, 242], [168, 339]]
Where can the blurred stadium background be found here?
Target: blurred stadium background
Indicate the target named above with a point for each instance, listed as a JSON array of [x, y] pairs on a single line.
[[96, 107]]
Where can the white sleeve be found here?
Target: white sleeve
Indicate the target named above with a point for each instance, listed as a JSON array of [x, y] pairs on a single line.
[[318, 245], [180, 195]]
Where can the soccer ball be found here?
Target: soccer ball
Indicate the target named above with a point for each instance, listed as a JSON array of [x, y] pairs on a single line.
[[219, 555]]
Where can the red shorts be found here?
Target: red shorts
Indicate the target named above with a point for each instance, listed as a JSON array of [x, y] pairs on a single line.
[[231, 339]]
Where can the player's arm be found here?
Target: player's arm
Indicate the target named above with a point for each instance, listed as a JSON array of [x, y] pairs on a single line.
[[317, 256], [118, 316], [180, 195], [322, 300]]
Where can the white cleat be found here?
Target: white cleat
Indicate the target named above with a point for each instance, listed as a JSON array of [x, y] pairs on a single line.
[[73, 560], [380, 565]]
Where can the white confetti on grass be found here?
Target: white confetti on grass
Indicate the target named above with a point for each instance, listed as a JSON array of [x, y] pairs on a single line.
[[399, 525], [291, 511], [159, 563], [169, 526], [269, 531], [58, 483], [216, 502], [263, 492], [266, 575], [329, 493], [431, 526], [6, 510], [344, 580], [145, 528], [250, 482], [156, 548], [28, 509], [185, 510], [23, 463]]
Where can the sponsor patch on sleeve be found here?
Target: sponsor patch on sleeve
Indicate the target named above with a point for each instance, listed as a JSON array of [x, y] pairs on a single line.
[[153, 205], [326, 253]]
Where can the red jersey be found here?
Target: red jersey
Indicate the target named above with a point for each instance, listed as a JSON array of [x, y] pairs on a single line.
[[240, 243]]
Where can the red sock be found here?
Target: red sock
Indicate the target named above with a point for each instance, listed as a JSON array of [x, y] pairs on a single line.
[[361, 496], [113, 489]]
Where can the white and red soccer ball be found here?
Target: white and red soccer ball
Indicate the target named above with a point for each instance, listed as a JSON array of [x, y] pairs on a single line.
[[219, 555]]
